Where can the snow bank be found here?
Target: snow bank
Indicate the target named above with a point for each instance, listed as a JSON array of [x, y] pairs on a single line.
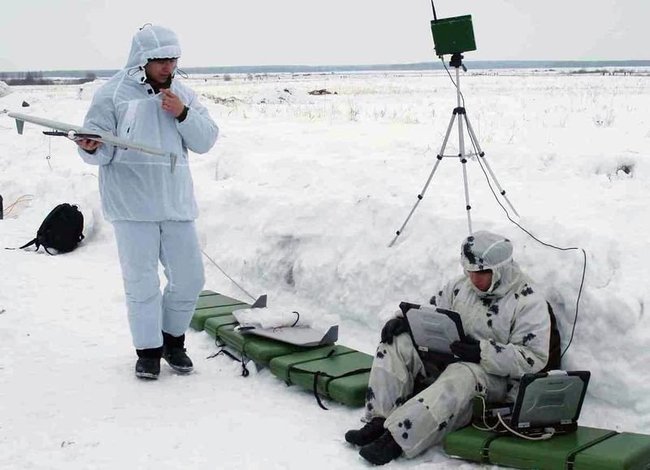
[[299, 200]]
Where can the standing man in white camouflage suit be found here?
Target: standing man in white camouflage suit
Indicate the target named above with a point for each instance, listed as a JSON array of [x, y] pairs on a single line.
[[508, 326], [151, 207]]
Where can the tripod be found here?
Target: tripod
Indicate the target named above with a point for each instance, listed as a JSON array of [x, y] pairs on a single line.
[[460, 115]]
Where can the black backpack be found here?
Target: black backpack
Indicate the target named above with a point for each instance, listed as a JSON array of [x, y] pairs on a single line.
[[60, 230]]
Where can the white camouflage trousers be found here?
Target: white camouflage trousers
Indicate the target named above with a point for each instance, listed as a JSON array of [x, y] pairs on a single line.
[[141, 246], [420, 421]]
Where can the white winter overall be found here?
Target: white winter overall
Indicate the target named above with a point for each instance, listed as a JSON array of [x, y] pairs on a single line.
[[512, 322], [152, 208]]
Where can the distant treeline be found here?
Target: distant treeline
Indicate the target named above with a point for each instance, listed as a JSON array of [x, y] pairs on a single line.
[[246, 69], [40, 78]]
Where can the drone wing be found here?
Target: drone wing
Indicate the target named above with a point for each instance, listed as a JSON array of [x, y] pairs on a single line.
[[101, 136]]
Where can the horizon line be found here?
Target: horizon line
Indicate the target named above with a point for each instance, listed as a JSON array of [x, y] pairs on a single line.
[[435, 64]]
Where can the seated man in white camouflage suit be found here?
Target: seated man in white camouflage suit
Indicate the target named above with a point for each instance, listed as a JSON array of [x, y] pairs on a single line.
[[508, 325]]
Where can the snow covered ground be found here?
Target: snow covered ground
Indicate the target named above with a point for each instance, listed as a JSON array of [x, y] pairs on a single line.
[[299, 199]]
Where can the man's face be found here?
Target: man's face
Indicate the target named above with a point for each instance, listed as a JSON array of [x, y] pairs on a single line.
[[482, 280], [159, 70]]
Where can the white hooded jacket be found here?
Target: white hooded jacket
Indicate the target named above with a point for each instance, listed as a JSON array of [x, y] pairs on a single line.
[[511, 319], [134, 185]]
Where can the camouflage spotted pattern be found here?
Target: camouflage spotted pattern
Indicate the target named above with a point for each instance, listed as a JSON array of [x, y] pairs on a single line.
[[421, 421]]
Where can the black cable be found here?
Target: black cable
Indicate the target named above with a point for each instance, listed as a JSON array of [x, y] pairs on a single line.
[[315, 386], [584, 254], [435, 18], [462, 97]]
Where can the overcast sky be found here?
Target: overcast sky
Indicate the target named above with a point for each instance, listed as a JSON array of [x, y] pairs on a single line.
[[96, 34]]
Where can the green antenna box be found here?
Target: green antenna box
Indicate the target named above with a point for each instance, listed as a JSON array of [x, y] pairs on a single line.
[[453, 35]]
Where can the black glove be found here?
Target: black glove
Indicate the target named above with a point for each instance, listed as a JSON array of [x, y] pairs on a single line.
[[406, 306], [468, 350], [392, 328]]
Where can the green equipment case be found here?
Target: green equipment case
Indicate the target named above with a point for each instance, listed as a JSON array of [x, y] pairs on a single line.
[[212, 304], [341, 375], [469, 444], [214, 324], [453, 35], [544, 455], [625, 451], [586, 449], [280, 366]]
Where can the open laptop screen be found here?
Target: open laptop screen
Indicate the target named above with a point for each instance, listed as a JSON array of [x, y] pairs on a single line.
[[434, 329], [550, 400]]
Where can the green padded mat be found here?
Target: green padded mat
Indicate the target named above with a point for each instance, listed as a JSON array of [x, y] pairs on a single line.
[[201, 315], [469, 443], [211, 304], [333, 379], [223, 321], [586, 449], [216, 300], [543, 455], [625, 451], [280, 365]]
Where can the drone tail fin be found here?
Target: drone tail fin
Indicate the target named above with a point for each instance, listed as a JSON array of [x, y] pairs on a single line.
[[19, 126]]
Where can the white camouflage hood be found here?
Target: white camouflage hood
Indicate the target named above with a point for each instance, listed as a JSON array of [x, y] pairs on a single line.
[[485, 250], [153, 42]]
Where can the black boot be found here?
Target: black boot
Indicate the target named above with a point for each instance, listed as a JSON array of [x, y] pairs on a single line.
[[381, 451], [148, 364], [367, 434], [174, 353]]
